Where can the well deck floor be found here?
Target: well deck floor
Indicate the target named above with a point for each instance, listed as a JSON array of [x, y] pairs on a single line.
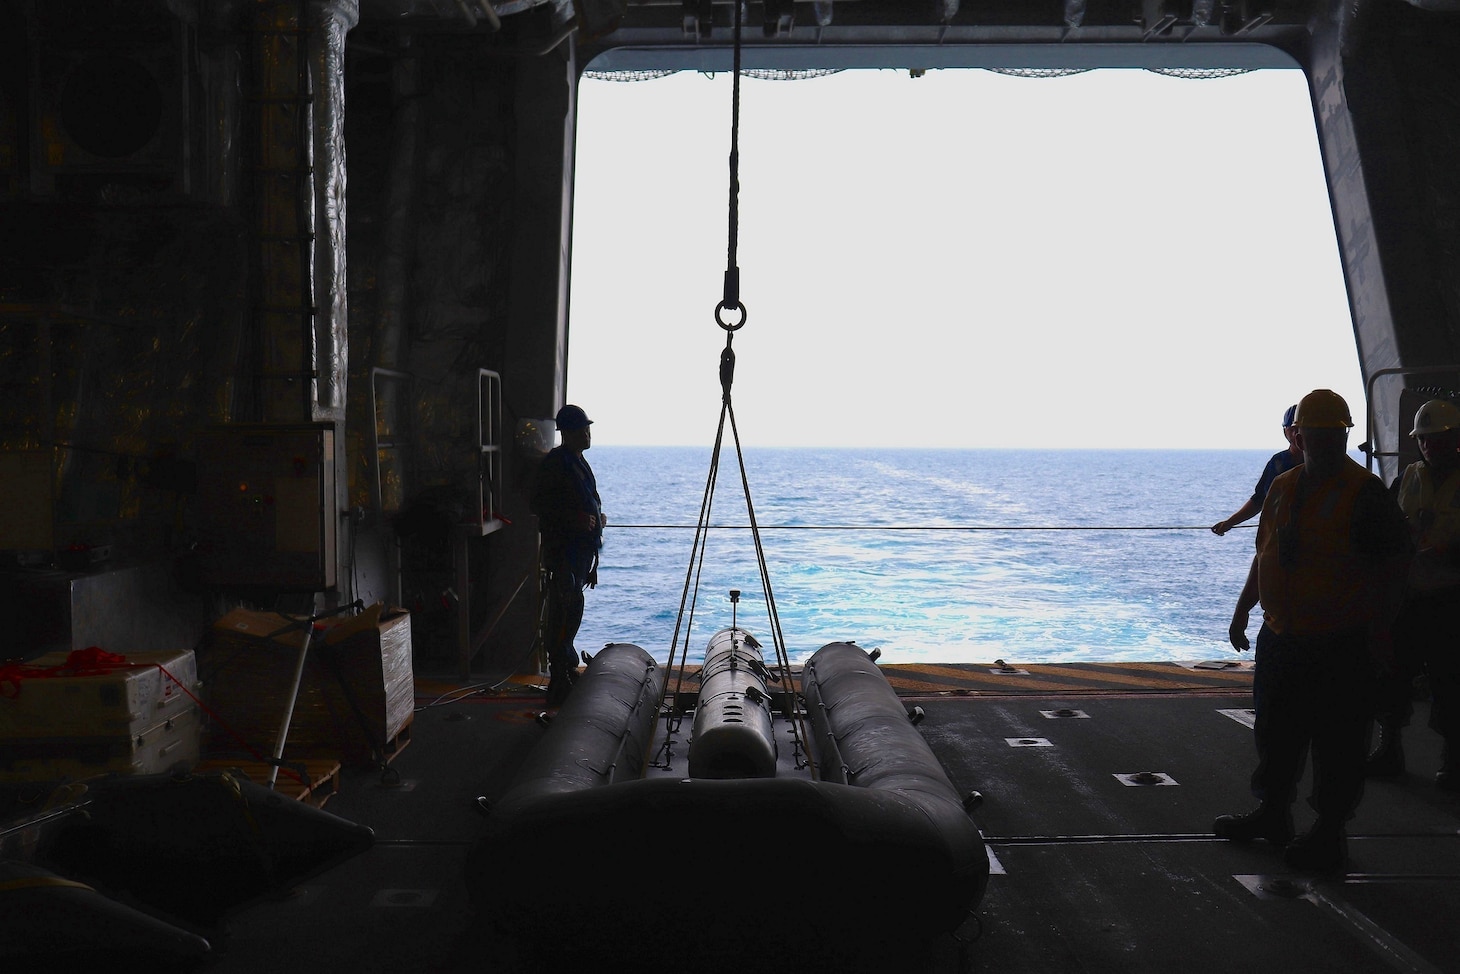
[[1092, 871]]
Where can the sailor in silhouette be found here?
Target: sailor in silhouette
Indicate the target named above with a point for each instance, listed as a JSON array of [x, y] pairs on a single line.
[[570, 520]]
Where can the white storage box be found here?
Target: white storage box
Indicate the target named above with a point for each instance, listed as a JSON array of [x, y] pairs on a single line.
[[97, 698], [172, 745]]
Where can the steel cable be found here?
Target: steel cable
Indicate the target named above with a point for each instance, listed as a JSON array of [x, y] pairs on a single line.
[[730, 300], [873, 528]]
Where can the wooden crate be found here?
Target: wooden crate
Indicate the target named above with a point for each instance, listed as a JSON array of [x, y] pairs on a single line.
[[356, 693]]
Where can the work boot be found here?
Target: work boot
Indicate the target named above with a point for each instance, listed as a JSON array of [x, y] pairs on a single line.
[[1386, 760], [560, 684], [1270, 822], [1323, 848], [1448, 777]]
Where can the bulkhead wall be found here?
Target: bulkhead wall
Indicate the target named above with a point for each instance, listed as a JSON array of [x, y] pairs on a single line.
[[1386, 86], [458, 201], [133, 312]]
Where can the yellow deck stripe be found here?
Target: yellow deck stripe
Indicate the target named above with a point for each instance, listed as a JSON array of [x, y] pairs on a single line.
[[1055, 677]]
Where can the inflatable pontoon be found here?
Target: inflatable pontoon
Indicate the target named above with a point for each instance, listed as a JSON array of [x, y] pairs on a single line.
[[739, 852]]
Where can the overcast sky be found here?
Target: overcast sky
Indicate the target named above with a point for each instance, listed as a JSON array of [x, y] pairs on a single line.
[[965, 259]]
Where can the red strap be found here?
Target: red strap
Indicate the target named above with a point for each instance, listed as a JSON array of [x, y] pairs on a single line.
[[91, 661]]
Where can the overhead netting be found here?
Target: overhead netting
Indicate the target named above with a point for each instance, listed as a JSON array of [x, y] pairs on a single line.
[[1039, 72], [763, 74], [626, 75], [1194, 74], [778, 74], [1199, 74]]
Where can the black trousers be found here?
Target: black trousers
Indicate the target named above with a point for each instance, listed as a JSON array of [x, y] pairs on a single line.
[[564, 616], [1314, 694], [1426, 640]]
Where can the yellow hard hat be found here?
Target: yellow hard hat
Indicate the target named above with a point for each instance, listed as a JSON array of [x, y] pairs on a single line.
[[1323, 408], [1436, 416]]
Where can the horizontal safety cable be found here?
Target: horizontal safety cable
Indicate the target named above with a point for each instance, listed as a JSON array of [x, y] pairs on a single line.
[[921, 527]]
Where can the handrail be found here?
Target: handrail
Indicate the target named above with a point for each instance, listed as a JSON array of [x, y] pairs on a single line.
[[489, 445], [1369, 404], [489, 449]]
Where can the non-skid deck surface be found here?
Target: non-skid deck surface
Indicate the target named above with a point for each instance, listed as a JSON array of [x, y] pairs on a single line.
[[1093, 871]]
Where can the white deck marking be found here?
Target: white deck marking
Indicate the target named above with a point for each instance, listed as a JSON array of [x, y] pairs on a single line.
[[1146, 779]]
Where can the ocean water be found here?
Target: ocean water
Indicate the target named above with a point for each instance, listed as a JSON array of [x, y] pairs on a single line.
[[934, 556]]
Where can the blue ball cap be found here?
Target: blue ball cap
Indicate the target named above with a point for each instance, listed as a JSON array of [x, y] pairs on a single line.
[[1288, 416], [572, 418]]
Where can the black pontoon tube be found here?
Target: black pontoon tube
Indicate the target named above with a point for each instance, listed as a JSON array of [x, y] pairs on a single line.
[[864, 738], [577, 864], [603, 731]]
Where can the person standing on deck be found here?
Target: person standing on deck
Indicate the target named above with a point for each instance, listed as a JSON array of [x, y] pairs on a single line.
[[1427, 634], [570, 520], [1280, 462], [1332, 549]]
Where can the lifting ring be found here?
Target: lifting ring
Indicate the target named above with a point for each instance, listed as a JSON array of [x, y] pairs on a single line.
[[739, 306]]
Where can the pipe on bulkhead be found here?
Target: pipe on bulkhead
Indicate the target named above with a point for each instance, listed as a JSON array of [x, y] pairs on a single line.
[[298, 84]]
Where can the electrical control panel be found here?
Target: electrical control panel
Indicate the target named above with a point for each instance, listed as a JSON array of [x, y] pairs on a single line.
[[266, 507]]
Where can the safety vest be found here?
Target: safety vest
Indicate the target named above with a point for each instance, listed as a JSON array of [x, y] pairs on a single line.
[[1432, 507], [1310, 578]]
